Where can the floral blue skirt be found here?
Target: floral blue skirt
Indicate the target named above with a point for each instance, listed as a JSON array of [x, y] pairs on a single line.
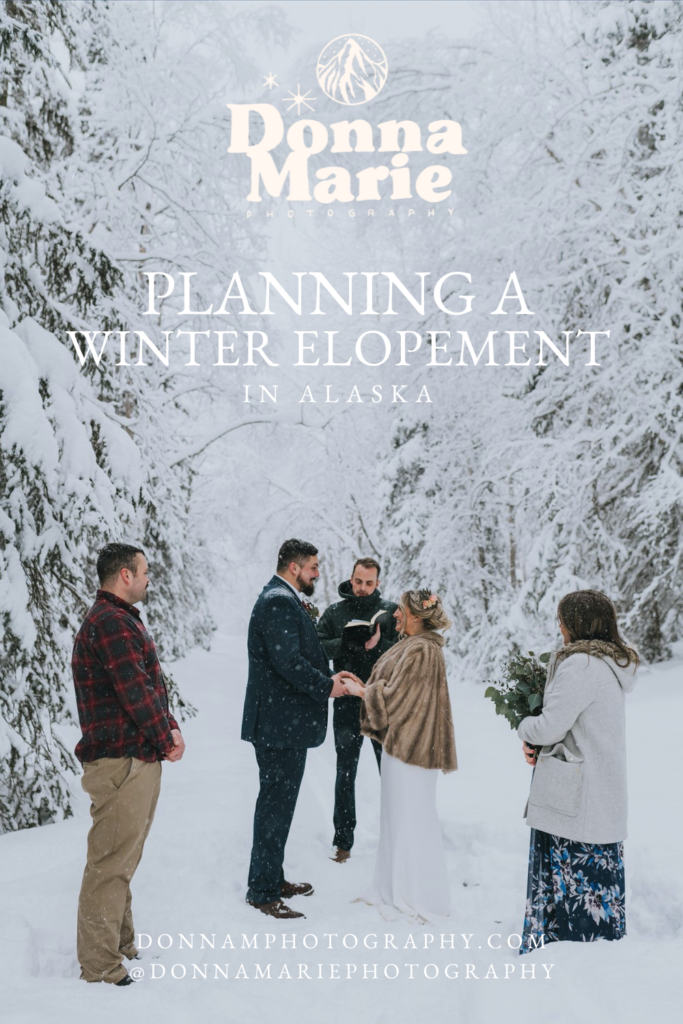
[[575, 892]]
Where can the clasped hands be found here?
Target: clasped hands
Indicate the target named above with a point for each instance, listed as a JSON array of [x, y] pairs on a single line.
[[346, 683]]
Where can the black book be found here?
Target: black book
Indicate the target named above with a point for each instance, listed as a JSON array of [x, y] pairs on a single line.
[[357, 632]]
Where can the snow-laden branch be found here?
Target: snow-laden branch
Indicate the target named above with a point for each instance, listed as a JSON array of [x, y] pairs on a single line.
[[200, 446]]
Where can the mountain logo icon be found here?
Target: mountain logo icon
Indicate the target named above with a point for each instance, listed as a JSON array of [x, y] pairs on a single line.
[[352, 69]]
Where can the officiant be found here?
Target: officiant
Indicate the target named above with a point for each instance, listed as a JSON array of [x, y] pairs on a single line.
[[354, 649]]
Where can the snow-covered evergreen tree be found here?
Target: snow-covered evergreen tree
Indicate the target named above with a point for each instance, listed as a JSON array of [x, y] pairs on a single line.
[[56, 500], [611, 488], [86, 454], [574, 182]]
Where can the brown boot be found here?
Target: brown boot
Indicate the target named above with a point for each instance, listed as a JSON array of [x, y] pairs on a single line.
[[276, 909], [340, 856], [290, 889]]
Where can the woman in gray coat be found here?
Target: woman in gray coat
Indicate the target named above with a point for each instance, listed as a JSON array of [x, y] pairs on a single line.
[[577, 805]]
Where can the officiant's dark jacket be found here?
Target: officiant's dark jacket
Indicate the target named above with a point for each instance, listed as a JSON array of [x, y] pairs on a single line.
[[331, 630], [289, 678]]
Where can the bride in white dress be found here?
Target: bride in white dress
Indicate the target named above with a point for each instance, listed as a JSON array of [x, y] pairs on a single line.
[[407, 709]]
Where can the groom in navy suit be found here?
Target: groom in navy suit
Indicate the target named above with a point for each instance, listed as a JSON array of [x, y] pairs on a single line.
[[285, 712]]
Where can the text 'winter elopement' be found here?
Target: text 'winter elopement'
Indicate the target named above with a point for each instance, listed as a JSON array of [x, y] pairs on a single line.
[[326, 348]]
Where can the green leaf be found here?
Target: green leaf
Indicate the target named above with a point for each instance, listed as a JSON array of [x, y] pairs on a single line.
[[520, 690]]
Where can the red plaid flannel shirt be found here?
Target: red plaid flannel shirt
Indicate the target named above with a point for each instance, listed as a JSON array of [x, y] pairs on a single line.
[[120, 689]]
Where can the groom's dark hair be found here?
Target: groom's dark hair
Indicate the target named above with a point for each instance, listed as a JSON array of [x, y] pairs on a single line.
[[294, 551]]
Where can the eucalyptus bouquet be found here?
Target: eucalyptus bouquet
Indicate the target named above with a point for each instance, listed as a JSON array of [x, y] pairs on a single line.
[[520, 692]]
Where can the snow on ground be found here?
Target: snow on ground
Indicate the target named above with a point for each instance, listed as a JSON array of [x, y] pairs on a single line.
[[192, 880]]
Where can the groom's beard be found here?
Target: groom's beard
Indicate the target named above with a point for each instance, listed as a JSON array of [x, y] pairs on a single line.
[[307, 588]]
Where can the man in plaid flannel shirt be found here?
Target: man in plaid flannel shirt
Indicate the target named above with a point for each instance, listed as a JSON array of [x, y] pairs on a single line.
[[127, 731]]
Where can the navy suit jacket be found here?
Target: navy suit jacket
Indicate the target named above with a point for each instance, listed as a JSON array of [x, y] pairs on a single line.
[[289, 676]]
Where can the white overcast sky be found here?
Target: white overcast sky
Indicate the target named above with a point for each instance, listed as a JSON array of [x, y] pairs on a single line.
[[316, 22]]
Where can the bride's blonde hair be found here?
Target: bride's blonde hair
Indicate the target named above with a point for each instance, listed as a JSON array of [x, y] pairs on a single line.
[[425, 605]]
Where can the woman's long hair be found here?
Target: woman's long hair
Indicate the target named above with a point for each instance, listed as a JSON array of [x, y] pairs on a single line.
[[590, 615]]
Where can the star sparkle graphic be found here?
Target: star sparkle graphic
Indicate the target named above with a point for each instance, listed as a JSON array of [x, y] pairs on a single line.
[[298, 100], [269, 80]]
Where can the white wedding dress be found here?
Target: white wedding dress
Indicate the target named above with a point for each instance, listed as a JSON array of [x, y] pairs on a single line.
[[410, 871]]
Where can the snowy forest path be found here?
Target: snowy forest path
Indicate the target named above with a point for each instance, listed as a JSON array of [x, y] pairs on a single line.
[[192, 881]]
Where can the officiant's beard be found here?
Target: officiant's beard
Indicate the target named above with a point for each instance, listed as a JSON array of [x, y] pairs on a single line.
[[307, 588]]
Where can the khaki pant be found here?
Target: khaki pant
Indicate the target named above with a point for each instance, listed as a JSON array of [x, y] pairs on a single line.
[[124, 793]]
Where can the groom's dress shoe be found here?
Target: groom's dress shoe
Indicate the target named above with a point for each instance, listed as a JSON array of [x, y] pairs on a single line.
[[341, 856], [276, 909], [290, 889]]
